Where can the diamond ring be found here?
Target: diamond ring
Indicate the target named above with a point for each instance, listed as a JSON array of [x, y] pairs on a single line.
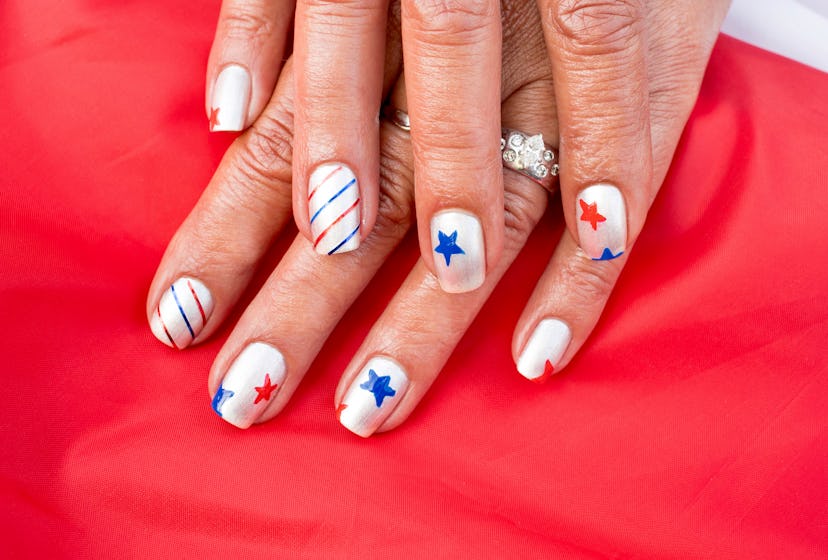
[[530, 156]]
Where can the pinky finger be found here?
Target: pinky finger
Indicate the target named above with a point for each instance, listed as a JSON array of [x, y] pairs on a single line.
[[563, 309]]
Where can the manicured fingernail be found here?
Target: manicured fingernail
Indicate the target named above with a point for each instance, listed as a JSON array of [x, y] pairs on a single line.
[[231, 97], [544, 350], [602, 222], [250, 384], [182, 313], [460, 256], [373, 396], [333, 209]]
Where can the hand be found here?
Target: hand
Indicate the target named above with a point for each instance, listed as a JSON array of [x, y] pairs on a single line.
[[220, 242]]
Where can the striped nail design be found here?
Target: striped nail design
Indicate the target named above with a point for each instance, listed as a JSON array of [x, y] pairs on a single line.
[[250, 385], [333, 208], [182, 313], [373, 396]]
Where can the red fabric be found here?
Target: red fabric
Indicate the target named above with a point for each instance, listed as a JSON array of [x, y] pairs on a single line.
[[692, 425]]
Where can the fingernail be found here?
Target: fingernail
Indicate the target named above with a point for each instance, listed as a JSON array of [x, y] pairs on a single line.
[[182, 313], [231, 97], [602, 222], [460, 257], [333, 209], [373, 396], [250, 384], [544, 350]]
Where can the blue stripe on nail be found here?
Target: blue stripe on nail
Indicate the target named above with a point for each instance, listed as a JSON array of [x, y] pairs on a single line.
[[334, 197], [178, 303], [344, 241]]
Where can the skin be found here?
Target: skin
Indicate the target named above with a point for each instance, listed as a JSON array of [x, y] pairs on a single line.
[[250, 199]]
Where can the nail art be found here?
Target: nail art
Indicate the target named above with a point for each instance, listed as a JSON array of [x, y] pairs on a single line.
[[182, 313], [544, 350], [230, 100], [372, 396], [250, 385], [602, 222], [460, 259], [333, 209]]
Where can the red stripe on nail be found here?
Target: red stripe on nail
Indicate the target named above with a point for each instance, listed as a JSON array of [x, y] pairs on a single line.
[[166, 332], [198, 303], [331, 174], [336, 221]]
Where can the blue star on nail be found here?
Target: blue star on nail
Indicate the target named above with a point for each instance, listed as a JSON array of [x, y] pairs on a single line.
[[607, 255], [448, 246], [379, 386], [218, 400]]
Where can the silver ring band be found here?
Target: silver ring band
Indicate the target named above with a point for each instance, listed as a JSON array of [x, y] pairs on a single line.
[[521, 152]]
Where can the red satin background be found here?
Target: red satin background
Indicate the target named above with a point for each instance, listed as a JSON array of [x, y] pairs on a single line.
[[692, 425]]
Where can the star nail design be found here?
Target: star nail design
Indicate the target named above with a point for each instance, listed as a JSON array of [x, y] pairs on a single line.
[[339, 410], [448, 246], [590, 214], [214, 122], [607, 255], [265, 390], [218, 401], [378, 386], [548, 370]]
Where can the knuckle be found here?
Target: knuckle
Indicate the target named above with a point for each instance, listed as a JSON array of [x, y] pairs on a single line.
[[452, 17], [597, 26], [524, 207], [265, 155], [246, 23], [396, 200], [587, 281], [339, 8]]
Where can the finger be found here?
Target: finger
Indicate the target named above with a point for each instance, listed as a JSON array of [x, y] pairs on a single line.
[[284, 327], [573, 291], [339, 48], [601, 82], [411, 341], [214, 253], [245, 60], [452, 54]]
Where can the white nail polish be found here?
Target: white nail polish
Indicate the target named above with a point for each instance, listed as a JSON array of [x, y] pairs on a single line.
[[230, 100], [459, 251], [373, 396], [602, 222], [333, 208], [250, 385], [544, 350], [182, 312]]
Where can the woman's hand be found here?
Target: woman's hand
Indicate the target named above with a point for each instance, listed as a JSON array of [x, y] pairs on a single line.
[[279, 334], [601, 52]]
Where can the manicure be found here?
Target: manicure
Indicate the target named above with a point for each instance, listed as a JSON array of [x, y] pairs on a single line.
[[544, 350], [602, 222], [182, 313], [333, 209], [460, 256], [373, 396], [250, 385], [230, 99]]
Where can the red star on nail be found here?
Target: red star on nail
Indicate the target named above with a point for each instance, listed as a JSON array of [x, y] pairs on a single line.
[[548, 370], [339, 410], [265, 390], [214, 122], [591, 214]]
